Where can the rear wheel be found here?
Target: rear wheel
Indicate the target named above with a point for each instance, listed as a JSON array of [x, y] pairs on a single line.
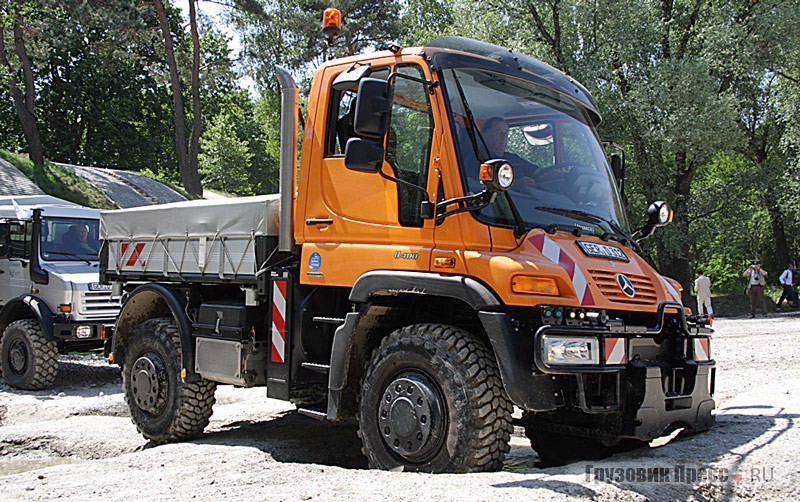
[[163, 407], [29, 362], [433, 401]]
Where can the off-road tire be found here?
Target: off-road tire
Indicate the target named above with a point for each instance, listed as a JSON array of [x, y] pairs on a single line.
[[442, 368], [29, 361], [179, 410]]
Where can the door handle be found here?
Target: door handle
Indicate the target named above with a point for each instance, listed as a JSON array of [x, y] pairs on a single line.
[[319, 221]]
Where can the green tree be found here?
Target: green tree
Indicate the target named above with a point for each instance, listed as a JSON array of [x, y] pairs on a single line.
[[225, 159], [666, 74], [16, 17]]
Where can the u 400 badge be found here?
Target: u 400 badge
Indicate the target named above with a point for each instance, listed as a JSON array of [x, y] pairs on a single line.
[[399, 255]]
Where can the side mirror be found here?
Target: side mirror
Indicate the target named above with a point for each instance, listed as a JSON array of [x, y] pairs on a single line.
[[618, 168], [373, 104], [364, 154], [4, 233]]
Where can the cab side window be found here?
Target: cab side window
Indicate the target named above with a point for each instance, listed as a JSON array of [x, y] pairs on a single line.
[[340, 122], [19, 239], [408, 142], [341, 111]]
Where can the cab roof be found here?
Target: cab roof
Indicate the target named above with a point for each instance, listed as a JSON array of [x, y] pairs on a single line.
[[22, 207], [454, 52]]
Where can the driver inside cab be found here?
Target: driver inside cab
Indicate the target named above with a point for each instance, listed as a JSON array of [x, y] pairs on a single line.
[[495, 135]]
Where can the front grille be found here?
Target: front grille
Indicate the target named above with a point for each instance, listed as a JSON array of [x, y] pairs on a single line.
[[606, 282], [98, 305]]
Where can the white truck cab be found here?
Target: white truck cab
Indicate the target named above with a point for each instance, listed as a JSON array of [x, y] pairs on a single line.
[[51, 300]]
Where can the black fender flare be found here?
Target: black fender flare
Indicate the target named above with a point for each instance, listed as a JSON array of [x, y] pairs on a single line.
[[392, 283], [28, 307], [155, 300]]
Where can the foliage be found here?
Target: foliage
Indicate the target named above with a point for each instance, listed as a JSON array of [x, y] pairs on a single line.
[[225, 158], [703, 95], [288, 34]]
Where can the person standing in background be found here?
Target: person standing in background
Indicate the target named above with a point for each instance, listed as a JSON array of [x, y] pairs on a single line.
[[702, 288], [756, 280], [789, 294]]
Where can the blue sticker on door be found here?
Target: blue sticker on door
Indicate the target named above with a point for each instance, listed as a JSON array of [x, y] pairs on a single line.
[[314, 261]]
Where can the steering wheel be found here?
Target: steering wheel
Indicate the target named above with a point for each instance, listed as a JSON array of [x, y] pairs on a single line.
[[585, 186], [552, 178]]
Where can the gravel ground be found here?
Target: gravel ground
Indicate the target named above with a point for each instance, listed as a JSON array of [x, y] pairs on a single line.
[[124, 188], [77, 442], [13, 182]]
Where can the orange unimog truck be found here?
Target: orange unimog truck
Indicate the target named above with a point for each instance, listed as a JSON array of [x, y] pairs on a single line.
[[412, 279]]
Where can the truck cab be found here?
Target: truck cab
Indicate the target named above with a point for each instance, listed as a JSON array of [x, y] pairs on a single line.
[[51, 299], [453, 244]]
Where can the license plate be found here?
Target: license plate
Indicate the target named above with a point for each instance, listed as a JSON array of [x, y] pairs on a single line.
[[602, 251], [96, 286]]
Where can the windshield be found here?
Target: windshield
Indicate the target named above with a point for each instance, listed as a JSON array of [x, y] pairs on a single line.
[[70, 239], [562, 176]]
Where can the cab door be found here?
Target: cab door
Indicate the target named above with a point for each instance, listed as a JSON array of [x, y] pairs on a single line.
[[355, 222], [14, 260]]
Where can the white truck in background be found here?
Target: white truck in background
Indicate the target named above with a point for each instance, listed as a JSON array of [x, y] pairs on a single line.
[[51, 300]]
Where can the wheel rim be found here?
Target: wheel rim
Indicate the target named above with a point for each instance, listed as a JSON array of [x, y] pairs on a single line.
[[149, 383], [18, 357], [410, 416]]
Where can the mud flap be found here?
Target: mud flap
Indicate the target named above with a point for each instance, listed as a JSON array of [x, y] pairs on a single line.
[[279, 364]]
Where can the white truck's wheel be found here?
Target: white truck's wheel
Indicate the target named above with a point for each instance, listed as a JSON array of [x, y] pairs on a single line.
[[29, 361]]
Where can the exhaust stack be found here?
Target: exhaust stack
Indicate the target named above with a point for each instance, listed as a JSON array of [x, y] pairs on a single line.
[[288, 165]]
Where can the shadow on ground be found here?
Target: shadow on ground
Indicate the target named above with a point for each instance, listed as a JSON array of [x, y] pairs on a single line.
[[738, 433]]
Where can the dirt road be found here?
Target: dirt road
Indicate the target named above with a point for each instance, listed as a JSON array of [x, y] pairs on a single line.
[[77, 442]]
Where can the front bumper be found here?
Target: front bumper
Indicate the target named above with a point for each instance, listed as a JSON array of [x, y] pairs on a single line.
[[658, 386], [84, 331]]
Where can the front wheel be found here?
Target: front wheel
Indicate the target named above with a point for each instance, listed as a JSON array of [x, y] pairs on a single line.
[[163, 407], [433, 401], [29, 362]]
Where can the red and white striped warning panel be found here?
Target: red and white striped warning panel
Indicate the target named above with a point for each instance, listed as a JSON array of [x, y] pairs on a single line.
[[702, 350], [553, 252], [279, 321], [615, 351], [129, 259], [676, 297]]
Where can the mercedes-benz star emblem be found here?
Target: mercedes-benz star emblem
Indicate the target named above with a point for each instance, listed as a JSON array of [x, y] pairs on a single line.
[[626, 285]]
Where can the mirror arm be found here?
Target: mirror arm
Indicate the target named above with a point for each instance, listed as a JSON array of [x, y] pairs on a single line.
[[432, 84], [405, 183], [644, 232], [485, 201]]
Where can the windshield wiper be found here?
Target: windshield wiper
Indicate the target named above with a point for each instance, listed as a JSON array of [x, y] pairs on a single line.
[[619, 235], [472, 131], [474, 134], [73, 255]]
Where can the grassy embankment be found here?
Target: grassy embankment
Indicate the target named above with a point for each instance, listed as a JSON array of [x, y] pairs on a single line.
[[60, 182]]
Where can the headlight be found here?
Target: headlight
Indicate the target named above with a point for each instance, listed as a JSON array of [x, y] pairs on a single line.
[[505, 176], [83, 331], [564, 350], [497, 175]]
